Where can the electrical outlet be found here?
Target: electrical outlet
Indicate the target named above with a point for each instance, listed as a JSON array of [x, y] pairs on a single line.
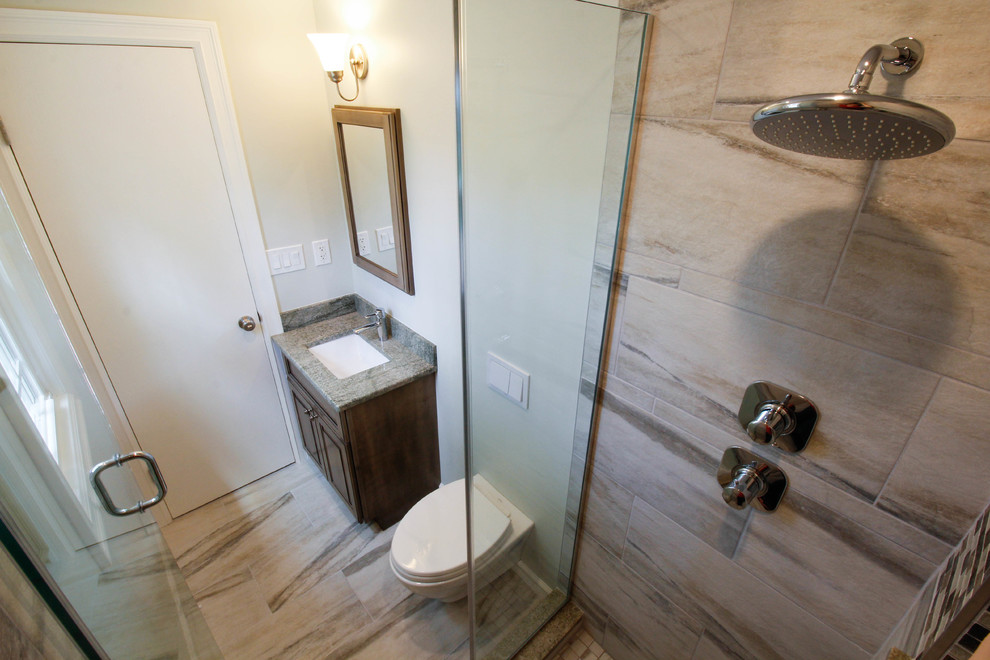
[[321, 252], [364, 244]]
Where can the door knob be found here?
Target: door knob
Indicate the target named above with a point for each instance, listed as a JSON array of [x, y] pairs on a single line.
[[246, 323]]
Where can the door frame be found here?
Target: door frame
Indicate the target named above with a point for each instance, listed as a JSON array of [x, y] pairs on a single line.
[[203, 39]]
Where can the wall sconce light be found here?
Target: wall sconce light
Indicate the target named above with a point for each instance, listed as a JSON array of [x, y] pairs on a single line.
[[335, 55]]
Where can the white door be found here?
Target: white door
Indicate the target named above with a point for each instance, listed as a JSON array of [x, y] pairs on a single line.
[[116, 146]]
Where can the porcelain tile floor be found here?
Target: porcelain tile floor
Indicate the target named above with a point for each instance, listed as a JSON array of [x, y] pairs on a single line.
[[280, 569], [582, 647]]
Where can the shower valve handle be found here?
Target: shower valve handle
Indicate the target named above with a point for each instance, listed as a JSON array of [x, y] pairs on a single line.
[[746, 485], [772, 415], [748, 480], [773, 420]]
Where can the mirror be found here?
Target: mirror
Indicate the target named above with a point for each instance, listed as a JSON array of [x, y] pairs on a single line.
[[369, 151]]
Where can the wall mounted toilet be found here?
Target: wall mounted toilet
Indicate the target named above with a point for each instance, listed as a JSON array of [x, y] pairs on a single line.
[[429, 553]]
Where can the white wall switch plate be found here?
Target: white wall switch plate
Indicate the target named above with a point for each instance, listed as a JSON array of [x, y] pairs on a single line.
[[508, 380], [286, 259], [498, 377], [364, 245], [386, 239], [321, 252]]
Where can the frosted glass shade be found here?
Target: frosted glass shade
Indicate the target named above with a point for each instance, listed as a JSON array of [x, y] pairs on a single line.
[[332, 47]]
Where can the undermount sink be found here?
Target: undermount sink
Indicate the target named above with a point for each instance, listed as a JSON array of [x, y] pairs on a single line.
[[347, 356]]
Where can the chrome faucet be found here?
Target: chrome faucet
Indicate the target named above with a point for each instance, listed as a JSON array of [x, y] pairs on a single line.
[[379, 323]]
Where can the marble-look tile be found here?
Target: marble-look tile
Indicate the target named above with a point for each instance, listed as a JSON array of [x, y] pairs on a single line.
[[908, 348], [917, 257], [863, 583], [595, 616], [711, 587], [141, 573], [658, 627], [315, 556], [417, 628], [620, 645], [668, 468], [28, 630], [685, 55], [15, 644], [371, 578], [633, 36], [907, 634], [649, 269], [320, 503], [854, 508], [241, 540], [971, 115], [712, 197], [706, 353], [615, 173], [767, 56], [629, 393], [290, 583], [710, 648], [606, 512], [940, 483], [599, 302], [507, 610], [269, 488], [245, 627]]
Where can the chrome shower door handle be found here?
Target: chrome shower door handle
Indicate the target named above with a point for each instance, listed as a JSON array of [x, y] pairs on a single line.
[[117, 460]]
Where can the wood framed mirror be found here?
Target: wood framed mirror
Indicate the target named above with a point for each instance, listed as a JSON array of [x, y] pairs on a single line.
[[373, 182]]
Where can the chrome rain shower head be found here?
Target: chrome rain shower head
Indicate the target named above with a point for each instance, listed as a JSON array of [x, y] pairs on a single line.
[[855, 124]]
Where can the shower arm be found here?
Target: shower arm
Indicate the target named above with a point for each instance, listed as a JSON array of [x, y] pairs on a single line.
[[896, 58]]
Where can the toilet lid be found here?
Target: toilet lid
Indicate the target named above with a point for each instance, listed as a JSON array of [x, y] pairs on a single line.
[[431, 539]]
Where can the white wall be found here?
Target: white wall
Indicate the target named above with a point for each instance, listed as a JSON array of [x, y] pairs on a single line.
[[411, 67], [278, 91], [537, 97]]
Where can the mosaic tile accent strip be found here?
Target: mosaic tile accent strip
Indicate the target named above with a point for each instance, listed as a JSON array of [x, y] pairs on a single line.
[[970, 640], [963, 573]]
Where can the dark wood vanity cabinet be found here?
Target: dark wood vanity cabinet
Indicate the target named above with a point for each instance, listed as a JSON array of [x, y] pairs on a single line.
[[381, 456]]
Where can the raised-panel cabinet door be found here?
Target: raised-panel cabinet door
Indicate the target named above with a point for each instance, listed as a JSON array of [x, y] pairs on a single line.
[[305, 412], [338, 463]]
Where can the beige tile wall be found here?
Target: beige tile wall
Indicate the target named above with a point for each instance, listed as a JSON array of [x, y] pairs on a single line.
[[865, 287], [28, 629]]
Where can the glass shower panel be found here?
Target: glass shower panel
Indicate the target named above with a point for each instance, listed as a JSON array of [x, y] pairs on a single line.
[[548, 91], [116, 573]]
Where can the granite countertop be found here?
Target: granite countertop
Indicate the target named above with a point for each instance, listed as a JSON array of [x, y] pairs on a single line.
[[404, 366]]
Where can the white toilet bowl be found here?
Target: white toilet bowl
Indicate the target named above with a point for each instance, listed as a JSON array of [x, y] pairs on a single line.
[[429, 553]]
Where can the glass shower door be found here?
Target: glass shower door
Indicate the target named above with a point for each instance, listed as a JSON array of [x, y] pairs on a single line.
[[114, 574], [548, 97]]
